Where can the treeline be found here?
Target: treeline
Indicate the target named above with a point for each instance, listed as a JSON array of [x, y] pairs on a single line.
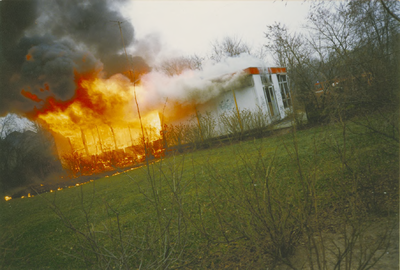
[[26, 157], [349, 51]]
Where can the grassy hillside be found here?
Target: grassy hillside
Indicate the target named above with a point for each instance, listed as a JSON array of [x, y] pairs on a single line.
[[249, 205]]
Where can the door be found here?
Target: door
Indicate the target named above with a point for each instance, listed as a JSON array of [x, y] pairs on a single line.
[[270, 97]]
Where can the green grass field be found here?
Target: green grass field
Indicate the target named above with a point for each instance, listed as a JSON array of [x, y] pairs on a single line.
[[247, 205]]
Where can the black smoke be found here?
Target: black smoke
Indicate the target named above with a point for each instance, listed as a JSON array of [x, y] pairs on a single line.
[[44, 43]]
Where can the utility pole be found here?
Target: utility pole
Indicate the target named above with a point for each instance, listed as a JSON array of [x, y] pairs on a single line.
[[134, 90]]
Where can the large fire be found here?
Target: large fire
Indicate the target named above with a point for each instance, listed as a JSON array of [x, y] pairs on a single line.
[[99, 124], [95, 121]]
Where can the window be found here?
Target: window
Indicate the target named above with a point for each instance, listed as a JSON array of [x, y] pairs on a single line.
[[283, 85], [269, 95]]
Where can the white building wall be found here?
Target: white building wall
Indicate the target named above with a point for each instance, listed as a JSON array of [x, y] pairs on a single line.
[[246, 98]]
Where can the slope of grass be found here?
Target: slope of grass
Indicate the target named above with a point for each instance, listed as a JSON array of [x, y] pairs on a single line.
[[243, 205]]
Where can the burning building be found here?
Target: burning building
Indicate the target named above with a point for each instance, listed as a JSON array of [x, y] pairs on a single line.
[[64, 67]]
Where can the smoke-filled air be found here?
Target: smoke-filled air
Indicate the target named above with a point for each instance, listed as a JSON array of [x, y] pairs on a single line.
[[63, 65], [194, 86]]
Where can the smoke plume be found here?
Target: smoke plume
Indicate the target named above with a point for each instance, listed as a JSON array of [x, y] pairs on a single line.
[[195, 86], [45, 44]]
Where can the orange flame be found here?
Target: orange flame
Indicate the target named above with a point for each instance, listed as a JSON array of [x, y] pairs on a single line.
[[31, 96], [101, 117]]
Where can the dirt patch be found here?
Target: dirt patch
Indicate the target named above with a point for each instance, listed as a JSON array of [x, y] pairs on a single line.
[[374, 245]]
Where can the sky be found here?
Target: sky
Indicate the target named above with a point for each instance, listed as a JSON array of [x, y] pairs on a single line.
[[189, 27]]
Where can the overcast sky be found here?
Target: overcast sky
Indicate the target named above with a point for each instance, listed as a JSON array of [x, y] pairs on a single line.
[[189, 27]]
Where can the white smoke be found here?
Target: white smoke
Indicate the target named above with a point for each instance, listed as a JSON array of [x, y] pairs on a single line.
[[148, 47], [194, 86]]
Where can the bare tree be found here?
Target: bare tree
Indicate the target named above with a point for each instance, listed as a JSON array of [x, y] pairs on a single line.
[[396, 17], [228, 47], [293, 51], [350, 51], [5, 125], [177, 65]]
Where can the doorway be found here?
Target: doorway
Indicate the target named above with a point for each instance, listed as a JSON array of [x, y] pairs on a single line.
[[270, 97]]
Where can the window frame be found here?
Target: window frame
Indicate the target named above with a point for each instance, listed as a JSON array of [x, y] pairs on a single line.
[[285, 92]]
